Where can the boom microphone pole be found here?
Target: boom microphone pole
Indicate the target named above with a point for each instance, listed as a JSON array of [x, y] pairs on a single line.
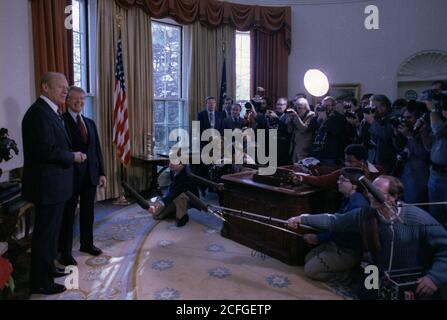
[[218, 211]]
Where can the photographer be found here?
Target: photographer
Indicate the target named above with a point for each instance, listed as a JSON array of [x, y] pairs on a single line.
[[413, 160], [329, 142], [302, 126], [276, 120], [381, 132], [437, 185]]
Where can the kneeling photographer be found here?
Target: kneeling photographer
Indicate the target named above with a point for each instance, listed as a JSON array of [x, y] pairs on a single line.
[[436, 102], [413, 159]]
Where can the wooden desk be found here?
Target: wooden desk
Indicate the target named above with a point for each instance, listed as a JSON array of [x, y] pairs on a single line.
[[154, 162], [242, 193]]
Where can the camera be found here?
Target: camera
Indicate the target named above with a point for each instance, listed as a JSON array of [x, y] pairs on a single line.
[[248, 106], [320, 108], [6, 146], [397, 121], [368, 110], [350, 115], [289, 111]]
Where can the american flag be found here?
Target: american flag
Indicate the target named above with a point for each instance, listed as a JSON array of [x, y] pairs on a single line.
[[120, 113]]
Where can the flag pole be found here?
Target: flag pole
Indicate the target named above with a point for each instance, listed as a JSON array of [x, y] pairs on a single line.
[[121, 200]]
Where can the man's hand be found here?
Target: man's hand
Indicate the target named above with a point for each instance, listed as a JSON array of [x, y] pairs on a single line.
[[79, 157], [294, 222], [429, 105], [311, 238], [353, 121], [102, 181], [426, 287], [155, 208], [271, 114]]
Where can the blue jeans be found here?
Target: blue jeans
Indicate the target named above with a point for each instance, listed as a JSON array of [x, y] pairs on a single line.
[[437, 192]]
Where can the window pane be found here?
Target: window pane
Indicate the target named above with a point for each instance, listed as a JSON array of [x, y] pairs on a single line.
[[159, 112], [166, 41], [242, 65], [161, 138], [173, 112]]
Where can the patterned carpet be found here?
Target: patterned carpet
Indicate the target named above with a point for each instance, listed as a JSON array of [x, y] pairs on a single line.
[[152, 260]]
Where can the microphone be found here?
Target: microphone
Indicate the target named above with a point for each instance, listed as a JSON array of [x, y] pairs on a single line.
[[202, 206], [377, 194], [218, 186], [139, 199], [196, 202]]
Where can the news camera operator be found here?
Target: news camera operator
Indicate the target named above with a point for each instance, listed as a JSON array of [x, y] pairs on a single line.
[[436, 102], [414, 239], [382, 151], [413, 159]]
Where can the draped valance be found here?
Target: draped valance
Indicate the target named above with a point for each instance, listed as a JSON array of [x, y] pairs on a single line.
[[213, 13]]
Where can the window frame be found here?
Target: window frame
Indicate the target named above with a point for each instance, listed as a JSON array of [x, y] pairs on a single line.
[[183, 113]]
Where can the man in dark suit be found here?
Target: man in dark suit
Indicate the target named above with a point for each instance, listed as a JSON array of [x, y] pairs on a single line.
[[209, 119], [226, 108], [234, 121], [176, 200], [47, 178], [87, 176]]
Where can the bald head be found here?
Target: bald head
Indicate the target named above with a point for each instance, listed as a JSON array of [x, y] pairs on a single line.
[[392, 189]]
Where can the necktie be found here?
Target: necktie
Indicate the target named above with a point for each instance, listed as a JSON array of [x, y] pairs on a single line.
[[61, 118], [212, 119], [82, 129]]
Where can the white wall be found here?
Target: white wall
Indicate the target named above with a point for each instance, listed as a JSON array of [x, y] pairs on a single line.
[[332, 37], [17, 73]]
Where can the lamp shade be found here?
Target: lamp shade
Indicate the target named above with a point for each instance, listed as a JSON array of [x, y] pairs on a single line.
[[316, 82]]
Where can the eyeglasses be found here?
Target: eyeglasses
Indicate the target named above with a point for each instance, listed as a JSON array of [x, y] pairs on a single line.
[[281, 104]]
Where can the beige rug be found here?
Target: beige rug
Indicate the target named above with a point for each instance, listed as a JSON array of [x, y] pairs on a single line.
[[195, 262], [151, 260]]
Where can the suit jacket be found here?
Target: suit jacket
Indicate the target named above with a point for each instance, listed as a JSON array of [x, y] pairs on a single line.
[[205, 122], [228, 123], [302, 135], [94, 164], [180, 183], [48, 158]]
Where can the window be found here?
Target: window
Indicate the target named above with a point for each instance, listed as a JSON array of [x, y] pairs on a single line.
[[81, 50], [80, 44], [242, 66], [169, 110]]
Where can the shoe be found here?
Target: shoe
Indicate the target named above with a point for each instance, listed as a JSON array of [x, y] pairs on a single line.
[[59, 272], [52, 289], [94, 251], [182, 221], [67, 261]]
